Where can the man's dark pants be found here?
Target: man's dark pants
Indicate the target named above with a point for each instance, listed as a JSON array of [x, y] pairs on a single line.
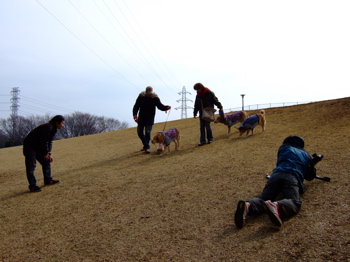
[[204, 127], [144, 133], [31, 156], [279, 183]]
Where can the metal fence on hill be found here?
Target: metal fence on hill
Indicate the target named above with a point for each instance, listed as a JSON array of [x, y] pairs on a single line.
[[263, 106]]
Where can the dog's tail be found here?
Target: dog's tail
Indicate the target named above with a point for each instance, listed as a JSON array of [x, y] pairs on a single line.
[[244, 116]]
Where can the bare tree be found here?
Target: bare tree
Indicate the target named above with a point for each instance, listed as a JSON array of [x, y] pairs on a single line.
[[77, 124], [3, 138], [81, 124]]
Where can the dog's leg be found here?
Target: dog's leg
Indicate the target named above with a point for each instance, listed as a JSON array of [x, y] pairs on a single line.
[[263, 126], [248, 132], [263, 123], [177, 142], [228, 131], [168, 147]]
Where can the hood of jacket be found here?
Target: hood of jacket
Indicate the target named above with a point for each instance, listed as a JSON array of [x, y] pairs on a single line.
[[143, 93]]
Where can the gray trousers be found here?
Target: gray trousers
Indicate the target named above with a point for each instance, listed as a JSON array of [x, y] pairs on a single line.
[[279, 183]]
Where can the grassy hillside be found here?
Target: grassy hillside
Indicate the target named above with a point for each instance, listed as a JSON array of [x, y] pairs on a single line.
[[115, 203]]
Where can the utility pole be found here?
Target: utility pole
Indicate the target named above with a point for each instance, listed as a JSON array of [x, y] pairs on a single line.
[[14, 108], [183, 100], [242, 95]]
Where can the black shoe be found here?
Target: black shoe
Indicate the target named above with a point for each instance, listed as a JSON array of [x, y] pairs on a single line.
[[241, 213], [201, 144], [210, 141], [51, 182], [34, 188]]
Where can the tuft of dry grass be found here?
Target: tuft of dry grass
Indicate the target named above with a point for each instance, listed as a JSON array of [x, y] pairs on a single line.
[[115, 203]]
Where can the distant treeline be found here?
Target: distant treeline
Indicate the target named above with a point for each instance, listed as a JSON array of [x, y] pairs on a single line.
[[14, 129]]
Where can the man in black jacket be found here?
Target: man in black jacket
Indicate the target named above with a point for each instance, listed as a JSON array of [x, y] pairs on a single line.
[[144, 112], [37, 146]]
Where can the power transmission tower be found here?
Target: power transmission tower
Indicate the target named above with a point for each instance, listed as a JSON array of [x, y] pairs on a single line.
[[183, 100], [14, 108]]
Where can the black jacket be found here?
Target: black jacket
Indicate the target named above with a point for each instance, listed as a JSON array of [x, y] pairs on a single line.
[[40, 138], [207, 100], [145, 107]]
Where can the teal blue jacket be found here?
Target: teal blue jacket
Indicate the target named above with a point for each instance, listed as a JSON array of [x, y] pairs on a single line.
[[295, 161]]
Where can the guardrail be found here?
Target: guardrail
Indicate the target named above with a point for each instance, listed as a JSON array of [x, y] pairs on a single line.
[[263, 106]]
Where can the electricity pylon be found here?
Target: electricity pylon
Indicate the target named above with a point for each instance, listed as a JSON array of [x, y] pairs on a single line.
[[14, 107], [183, 100]]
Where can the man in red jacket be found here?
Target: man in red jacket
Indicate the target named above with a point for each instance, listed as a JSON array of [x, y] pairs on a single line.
[[37, 146]]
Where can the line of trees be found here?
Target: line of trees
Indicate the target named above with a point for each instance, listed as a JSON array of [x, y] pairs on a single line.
[[14, 130]]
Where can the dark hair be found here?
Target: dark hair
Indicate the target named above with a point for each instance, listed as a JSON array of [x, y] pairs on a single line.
[[295, 141], [56, 119], [198, 86]]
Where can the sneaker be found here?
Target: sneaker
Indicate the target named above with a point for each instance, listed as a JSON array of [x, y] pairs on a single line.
[[34, 188], [210, 141], [51, 182], [272, 211], [142, 149], [201, 144], [241, 213], [147, 151]]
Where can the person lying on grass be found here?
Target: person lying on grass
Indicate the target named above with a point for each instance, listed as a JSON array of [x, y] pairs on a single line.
[[294, 165]]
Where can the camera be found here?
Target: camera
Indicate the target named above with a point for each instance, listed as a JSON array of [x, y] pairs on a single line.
[[316, 158]]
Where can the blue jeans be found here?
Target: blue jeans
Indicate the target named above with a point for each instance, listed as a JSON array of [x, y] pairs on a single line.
[[279, 183], [144, 133], [31, 156], [205, 126]]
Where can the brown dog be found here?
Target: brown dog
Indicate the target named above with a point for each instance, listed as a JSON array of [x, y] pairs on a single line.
[[251, 122], [231, 119], [165, 138]]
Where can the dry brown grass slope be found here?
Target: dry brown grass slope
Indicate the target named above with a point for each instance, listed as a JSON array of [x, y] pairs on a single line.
[[115, 203]]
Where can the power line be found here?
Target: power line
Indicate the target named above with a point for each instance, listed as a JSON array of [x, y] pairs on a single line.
[[16, 106], [125, 60], [92, 51], [45, 104], [145, 36], [138, 50]]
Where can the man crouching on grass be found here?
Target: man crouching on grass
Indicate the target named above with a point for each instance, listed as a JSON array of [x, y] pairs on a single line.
[[294, 165], [37, 145]]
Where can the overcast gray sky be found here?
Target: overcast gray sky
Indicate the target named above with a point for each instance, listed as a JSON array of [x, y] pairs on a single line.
[[96, 56]]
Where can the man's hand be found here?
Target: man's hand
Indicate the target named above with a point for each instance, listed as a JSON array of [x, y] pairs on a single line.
[[48, 157], [136, 119]]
